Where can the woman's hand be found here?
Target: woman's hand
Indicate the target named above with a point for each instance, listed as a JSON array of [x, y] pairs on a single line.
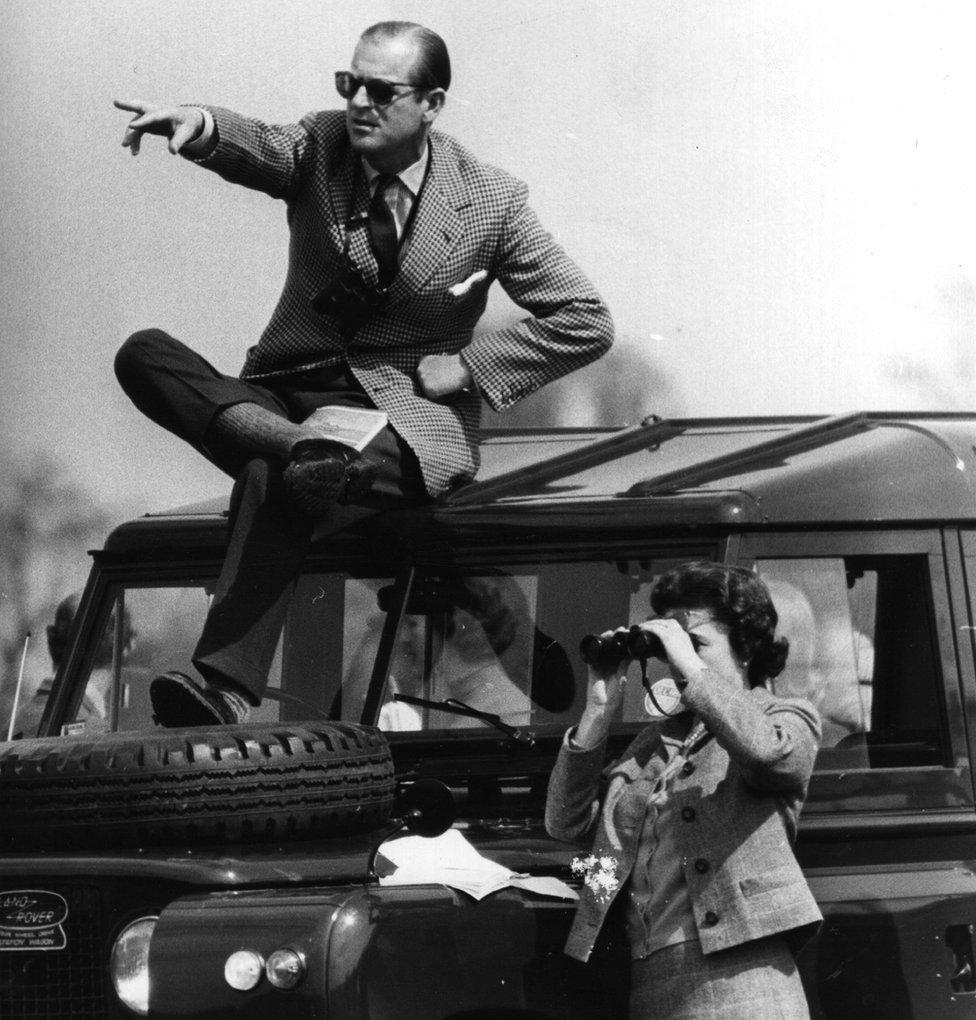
[[678, 646], [604, 696]]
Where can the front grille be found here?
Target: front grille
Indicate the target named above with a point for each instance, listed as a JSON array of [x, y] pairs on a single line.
[[65, 983]]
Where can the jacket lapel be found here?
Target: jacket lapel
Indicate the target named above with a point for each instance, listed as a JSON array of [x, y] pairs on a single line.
[[437, 225], [349, 211], [358, 227]]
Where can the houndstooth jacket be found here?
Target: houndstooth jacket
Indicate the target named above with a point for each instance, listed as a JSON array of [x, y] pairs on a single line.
[[470, 217]]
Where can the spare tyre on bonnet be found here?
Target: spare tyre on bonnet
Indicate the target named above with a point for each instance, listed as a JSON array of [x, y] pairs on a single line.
[[198, 785]]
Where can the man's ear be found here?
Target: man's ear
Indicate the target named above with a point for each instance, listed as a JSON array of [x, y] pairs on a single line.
[[434, 100]]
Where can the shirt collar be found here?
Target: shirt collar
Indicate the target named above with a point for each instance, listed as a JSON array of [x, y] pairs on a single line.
[[412, 178]]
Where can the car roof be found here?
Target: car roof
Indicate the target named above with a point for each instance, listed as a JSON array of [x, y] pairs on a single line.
[[857, 467]]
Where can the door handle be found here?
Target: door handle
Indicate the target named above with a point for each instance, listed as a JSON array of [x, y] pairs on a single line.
[[959, 941]]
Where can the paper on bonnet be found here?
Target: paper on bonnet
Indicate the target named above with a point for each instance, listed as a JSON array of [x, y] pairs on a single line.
[[449, 850], [449, 859]]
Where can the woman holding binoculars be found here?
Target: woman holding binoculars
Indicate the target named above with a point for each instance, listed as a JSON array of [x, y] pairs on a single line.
[[692, 828]]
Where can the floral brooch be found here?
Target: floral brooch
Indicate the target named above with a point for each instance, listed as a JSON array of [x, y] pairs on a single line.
[[599, 874]]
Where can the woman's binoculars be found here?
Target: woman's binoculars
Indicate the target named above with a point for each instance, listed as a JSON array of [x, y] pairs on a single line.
[[609, 652]]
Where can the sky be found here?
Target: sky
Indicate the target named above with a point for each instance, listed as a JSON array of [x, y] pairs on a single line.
[[774, 197]]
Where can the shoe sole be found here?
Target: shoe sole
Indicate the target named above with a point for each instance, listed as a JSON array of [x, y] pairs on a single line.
[[176, 703]]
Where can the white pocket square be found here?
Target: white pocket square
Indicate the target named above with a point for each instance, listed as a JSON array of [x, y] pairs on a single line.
[[462, 288]]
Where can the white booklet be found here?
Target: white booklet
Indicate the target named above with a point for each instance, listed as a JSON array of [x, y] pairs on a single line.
[[354, 426], [449, 859]]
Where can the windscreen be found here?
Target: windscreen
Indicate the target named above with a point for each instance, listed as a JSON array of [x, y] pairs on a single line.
[[451, 651]]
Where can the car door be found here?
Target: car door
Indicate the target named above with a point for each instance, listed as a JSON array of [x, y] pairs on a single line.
[[887, 836]]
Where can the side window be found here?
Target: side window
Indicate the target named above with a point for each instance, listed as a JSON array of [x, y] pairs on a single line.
[[863, 650]]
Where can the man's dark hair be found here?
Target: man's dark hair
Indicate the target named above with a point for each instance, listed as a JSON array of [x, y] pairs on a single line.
[[433, 70], [736, 597]]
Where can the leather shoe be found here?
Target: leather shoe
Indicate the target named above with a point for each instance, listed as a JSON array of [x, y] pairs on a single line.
[[322, 472], [178, 701]]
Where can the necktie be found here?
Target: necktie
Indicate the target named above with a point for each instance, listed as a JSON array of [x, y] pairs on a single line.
[[382, 230]]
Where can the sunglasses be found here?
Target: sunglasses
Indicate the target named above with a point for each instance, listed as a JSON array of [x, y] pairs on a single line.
[[379, 91]]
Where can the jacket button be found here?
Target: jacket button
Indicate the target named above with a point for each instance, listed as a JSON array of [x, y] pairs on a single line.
[[687, 768], [710, 918], [688, 814], [701, 865]]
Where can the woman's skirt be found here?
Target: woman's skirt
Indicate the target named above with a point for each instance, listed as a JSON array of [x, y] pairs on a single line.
[[754, 981]]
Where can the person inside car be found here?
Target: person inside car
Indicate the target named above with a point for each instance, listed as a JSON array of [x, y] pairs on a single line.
[[693, 826], [93, 712]]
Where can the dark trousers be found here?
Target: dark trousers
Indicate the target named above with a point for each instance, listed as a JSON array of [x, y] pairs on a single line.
[[182, 392]]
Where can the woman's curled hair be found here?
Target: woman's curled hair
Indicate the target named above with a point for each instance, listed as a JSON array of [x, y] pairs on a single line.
[[736, 597]]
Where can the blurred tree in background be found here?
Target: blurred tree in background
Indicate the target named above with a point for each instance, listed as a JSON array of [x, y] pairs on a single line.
[[47, 524]]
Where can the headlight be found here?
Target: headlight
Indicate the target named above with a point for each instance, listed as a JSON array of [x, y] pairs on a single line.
[[243, 970], [130, 964], [285, 968]]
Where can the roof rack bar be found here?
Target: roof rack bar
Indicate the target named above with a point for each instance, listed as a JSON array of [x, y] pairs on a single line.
[[524, 479], [806, 437]]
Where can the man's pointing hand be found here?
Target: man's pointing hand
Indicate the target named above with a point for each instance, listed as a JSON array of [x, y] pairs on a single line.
[[180, 124]]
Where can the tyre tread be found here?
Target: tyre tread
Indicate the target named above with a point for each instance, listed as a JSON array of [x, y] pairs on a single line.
[[230, 783]]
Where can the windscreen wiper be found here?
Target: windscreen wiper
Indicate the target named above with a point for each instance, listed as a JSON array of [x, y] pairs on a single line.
[[456, 707]]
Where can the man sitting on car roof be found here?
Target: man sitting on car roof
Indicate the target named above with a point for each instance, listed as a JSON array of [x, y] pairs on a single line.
[[397, 232]]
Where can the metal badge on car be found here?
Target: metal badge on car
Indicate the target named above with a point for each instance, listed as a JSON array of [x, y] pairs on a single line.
[[32, 919]]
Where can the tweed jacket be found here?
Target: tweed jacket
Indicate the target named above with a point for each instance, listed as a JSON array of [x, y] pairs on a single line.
[[471, 217], [735, 803]]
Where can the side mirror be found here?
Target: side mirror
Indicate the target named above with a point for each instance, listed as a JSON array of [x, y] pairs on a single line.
[[424, 808]]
